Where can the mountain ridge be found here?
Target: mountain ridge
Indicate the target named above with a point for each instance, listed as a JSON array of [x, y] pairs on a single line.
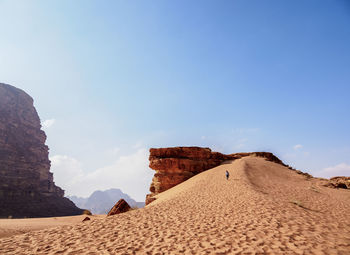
[[100, 202]]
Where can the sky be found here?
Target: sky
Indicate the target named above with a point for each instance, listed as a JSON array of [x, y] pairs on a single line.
[[111, 79]]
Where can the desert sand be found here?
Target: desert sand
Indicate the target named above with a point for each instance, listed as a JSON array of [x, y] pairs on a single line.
[[264, 208], [10, 227]]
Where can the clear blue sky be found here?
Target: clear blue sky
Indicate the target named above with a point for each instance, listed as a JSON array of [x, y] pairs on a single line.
[[118, 77]]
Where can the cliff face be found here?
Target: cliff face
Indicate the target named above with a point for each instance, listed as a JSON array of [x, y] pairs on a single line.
[[26, 183], [177, 164]]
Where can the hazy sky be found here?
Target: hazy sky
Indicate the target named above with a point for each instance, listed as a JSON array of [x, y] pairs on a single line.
[[110, 79]]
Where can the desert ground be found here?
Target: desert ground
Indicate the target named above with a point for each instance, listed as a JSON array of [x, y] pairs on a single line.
[[10, 227], [264, 208]]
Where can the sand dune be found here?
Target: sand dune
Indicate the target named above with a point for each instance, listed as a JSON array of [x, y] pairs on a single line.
[[263, 208]]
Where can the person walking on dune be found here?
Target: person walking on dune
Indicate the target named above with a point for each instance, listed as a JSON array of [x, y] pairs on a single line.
[[227, 175]]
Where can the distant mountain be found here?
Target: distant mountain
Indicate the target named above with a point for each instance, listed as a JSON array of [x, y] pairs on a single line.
[[100, 202]]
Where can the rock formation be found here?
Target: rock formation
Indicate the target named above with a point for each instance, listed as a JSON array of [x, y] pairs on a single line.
[[339, 182], [27, 188], [177, 164], [120, 207]]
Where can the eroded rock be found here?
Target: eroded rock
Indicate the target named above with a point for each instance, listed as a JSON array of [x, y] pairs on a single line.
[[339, 182], [120, 207]]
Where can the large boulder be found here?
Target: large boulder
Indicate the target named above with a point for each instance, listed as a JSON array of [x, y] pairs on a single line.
[[120, 207]]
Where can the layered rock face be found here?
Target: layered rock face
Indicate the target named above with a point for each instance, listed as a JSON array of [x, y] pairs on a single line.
[[27, 188], [177, 164]]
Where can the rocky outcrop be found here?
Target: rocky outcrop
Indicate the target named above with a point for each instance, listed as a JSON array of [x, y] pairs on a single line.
[[120, 207], [177, 164], [27, 188], [339, 182]]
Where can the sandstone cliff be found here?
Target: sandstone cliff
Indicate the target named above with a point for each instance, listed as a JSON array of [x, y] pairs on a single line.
[[27, 188], [177, 164]]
